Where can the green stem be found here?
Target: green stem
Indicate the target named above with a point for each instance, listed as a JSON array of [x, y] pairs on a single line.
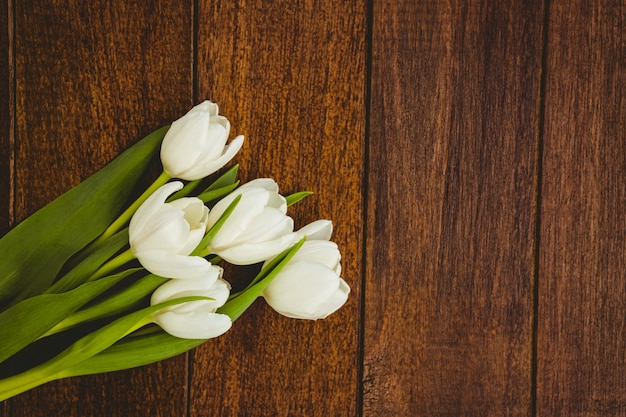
[[187, 189], [17, 384], [124, 218], [53, 369], [112, 265], [80, 269], [236, 307], [83, 349], [202, 248], [116, 303]]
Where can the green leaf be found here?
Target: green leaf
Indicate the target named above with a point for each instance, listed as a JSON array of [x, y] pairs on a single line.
[[81, 272], [83, 349], [119, 302], [217, 193], [106, 336], [199, 251], [32, 254], [227, 178], [26, 321], [222, 186], [184, 192], [134, 351], [215, 190], [295, 197]]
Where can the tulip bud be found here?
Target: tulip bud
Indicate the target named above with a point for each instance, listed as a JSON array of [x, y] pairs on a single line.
[[309, 286], [162, 235], [195, 145], [194, 319], [257, 229]]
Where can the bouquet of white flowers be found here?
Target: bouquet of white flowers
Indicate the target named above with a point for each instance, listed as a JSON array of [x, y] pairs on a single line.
[[99, 291]]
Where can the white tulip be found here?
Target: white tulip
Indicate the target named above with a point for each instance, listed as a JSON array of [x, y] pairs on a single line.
[[257, 229], [309, 286], [195, 145], [162, 235], [194, 319]]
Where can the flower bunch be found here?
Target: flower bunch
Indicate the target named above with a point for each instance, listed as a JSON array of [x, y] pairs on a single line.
[[118, 291]]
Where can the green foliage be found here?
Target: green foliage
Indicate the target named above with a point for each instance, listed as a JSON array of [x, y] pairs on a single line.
[[83, 349], [227, 178], [134, 351], [83, 270], [120, 301], [295, 197], [34, 252], [26, 321]]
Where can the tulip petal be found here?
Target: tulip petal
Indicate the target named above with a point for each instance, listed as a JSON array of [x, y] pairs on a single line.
[[195, 210], [193, 325], [277, 202], [177, 288], [166, 230], [169, 265], [217, 133], [257, 229], [252, 202], [321, 251], [152, 205], [207, 106], [335, 302], [267, 225], [251, 253], [267, 184], [317, 230], [219, 292], [182, 144], [301, 289], [208, 166], [195, 145]]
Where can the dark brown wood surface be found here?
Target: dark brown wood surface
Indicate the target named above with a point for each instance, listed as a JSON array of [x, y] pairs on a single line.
[[90, 79], [451, 208], [295, 78], [471, 154], [6, 137], [581, 339]]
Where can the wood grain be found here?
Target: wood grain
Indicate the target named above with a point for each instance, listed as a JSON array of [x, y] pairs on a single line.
[[422, 129], [451, 208], [292, 79], [91, 79], [582, 292], [6, 117], [6, 141]]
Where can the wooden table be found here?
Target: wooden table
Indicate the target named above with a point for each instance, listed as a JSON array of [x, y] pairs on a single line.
[[471, 154]]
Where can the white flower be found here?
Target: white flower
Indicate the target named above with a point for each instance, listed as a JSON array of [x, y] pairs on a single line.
[[194, 319], [257, 229], [162, 235], [309, 286], [195, 145]]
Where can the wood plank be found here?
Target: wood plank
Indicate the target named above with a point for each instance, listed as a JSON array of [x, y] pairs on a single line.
[[291, 78], [581, 355], [451, 208], [92, 78], [6, 116], [6, 140]]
